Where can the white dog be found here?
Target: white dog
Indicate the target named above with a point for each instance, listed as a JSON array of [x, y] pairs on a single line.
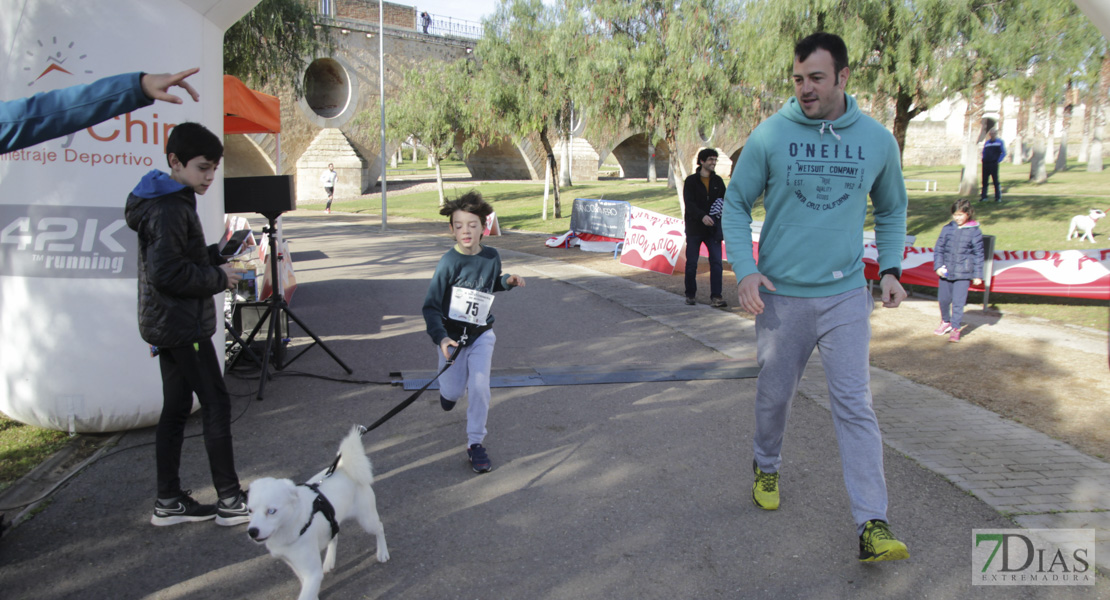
[[294, 521], [1086, 223]]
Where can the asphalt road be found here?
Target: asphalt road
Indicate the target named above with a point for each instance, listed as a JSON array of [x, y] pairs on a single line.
[[634, 490]]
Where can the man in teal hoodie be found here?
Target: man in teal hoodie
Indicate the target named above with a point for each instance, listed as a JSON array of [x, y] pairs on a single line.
[[815, 162]]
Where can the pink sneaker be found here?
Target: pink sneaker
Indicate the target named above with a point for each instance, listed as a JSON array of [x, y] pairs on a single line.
[[955, 337], [944, 328]]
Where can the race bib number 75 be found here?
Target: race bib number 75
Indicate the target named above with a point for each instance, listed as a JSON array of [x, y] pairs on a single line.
[[470, 306]]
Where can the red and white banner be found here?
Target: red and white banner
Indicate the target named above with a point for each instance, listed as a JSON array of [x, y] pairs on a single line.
[[492, 226], [653, 241], [1063, 273], [588, 242]]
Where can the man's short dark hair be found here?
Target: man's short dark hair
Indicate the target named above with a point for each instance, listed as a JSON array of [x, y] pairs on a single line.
[[829, 42], [470, 202], [706, 153], [190, 140]]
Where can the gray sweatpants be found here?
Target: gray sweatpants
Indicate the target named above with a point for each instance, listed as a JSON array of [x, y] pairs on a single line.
[[840, 328], [470, 375]]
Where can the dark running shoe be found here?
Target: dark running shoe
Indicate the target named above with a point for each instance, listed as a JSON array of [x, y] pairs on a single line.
[[446, 404], [878, 543], [479, 460], [182, 509], [690, 301], [232, 510], [718, 302]]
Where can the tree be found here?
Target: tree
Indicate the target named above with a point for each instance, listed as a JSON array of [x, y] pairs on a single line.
[[433, 106], [1094, 162], [529, 76], [664, 67], [271, 43], [913, 52]]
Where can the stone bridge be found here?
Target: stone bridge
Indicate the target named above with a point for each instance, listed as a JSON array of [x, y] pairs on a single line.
[[336, 121]]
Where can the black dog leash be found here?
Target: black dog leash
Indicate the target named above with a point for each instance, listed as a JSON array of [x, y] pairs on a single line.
[[464, 340]]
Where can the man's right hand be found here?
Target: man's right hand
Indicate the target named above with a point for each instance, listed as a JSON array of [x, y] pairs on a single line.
[[156, 87], [748, 291], [233, 275]]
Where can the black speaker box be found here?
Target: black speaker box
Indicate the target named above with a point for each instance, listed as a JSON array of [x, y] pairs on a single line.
[[268, 195]]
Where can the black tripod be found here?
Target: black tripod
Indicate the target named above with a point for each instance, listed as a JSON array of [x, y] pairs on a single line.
[[277, 306]]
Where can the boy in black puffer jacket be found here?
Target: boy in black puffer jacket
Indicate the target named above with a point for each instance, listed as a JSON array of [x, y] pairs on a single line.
[[178, 275]]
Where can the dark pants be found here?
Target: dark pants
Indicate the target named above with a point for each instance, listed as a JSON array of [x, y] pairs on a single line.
[[990, 171], [693, 249], [330, 192], [186, 370], [952, 294]]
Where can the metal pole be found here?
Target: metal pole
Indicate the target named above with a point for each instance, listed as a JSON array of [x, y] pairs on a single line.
[[381, 92]]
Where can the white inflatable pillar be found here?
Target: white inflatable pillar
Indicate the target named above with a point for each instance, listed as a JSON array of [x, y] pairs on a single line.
[[70, 353]]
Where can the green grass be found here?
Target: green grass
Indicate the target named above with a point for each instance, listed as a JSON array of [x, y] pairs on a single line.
[[420, 167], [23, 447], [1032, 217]]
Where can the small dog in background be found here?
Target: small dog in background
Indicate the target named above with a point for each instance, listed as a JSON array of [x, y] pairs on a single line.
[[296, 522], [1086, 224]]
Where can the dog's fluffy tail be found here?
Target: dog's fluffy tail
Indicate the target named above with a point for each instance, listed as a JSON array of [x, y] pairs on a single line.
[[353, 460]]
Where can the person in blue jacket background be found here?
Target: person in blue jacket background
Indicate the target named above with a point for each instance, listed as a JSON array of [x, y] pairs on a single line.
[[994, 151], [45, 116]]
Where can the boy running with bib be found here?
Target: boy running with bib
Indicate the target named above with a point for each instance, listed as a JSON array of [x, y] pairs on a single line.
[[457, 313]]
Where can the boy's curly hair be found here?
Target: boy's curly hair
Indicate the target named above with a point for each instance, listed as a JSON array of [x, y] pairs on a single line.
[[470, 202]]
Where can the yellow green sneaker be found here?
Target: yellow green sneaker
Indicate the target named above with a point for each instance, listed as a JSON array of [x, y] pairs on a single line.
[[878, 543], [765, 490]]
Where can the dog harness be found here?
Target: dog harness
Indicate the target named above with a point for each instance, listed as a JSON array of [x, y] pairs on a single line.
[[322, 506]]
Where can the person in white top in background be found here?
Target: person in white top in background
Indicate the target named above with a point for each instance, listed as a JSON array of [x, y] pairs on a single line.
[[328, 179]]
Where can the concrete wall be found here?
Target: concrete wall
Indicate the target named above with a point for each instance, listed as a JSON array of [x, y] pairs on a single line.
[[342, 93], [396, 15], [633, 154], [928, 144]]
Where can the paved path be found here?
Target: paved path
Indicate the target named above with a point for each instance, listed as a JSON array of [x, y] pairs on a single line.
[[636, 490], [1038, 481]]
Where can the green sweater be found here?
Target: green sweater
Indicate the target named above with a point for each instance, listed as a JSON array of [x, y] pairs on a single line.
[[815, 177], [480, 272]]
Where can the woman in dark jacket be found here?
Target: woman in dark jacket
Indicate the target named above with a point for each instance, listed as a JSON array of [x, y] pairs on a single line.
[[958, 261]]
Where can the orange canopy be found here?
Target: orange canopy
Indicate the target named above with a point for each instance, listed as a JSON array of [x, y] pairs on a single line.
[[248, 111]]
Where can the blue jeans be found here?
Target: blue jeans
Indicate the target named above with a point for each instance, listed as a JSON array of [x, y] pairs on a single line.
[[693, 249], [952, 294]]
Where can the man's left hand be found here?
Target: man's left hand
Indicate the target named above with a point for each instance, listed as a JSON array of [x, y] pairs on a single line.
[[893, 293]]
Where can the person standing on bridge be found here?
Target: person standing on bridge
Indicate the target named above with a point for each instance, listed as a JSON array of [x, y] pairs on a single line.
[[815, 162]]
